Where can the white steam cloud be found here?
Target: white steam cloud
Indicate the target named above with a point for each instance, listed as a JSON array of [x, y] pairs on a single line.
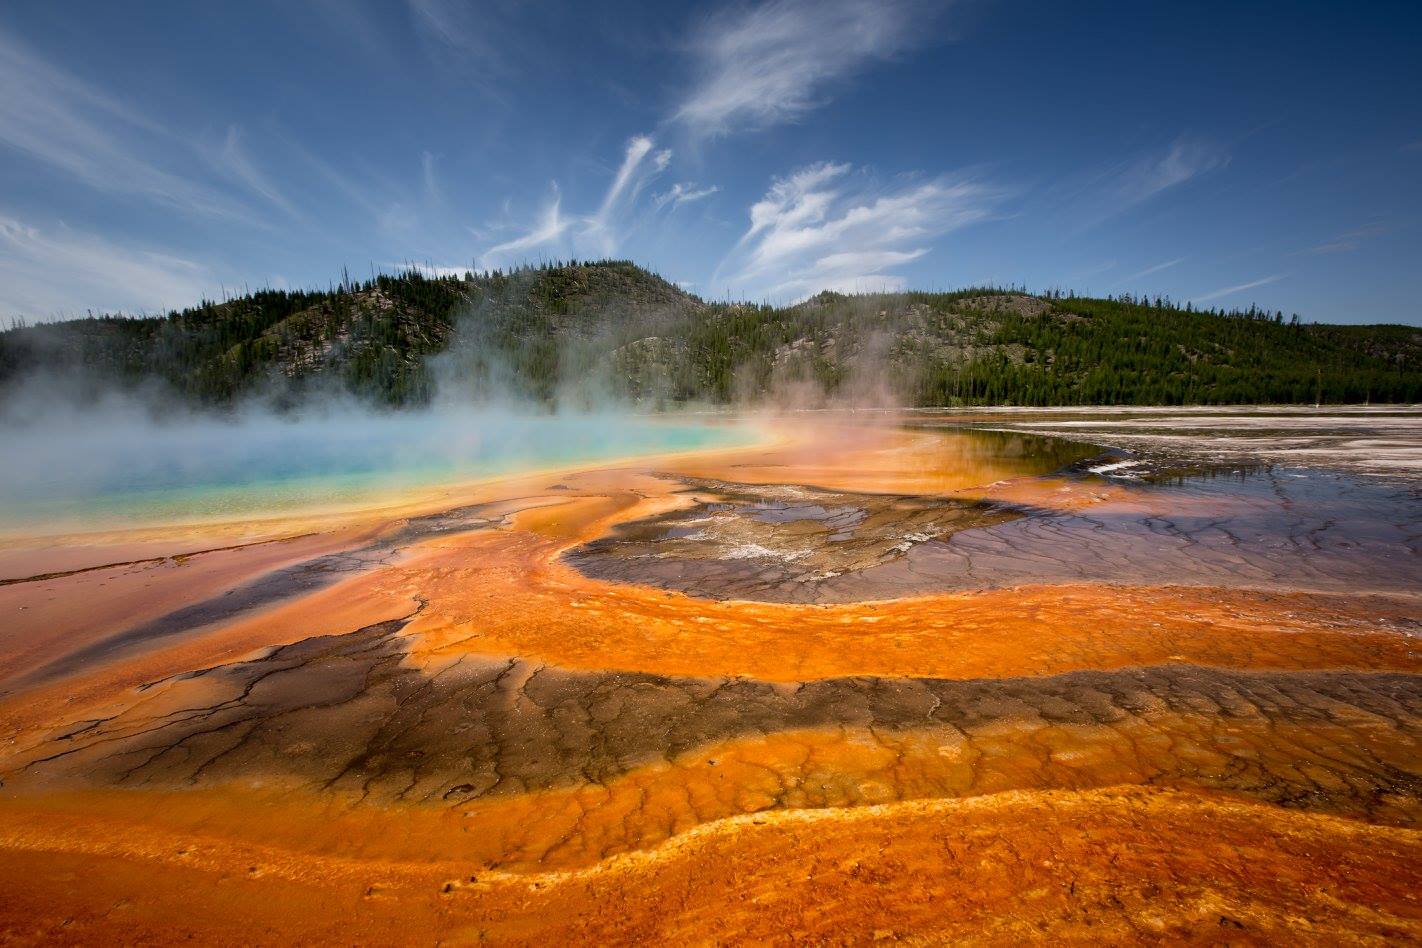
[[129, 458]]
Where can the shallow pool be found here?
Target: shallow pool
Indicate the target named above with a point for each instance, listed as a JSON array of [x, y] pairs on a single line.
[[107, 471]]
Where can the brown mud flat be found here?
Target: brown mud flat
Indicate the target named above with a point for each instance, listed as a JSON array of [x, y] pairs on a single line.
[[863, 683]]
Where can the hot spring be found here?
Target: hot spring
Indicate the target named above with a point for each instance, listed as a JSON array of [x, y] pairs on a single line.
[[117, 468]]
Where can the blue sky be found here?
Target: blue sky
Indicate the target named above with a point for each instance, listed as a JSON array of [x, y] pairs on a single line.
[[1227, 153]]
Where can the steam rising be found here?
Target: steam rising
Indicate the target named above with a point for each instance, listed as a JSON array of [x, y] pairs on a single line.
[[115, 462], [83, 451]]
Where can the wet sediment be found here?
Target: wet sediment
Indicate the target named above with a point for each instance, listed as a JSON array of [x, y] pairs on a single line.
[[777, 542], [1243, 529], [279, 585]]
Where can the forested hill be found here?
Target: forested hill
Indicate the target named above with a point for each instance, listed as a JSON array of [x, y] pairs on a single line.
[[611, 329]]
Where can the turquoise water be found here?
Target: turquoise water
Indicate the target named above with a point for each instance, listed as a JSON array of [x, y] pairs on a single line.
[[101, 473]]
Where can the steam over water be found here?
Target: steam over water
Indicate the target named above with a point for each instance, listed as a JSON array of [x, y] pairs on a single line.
[[111, 468]]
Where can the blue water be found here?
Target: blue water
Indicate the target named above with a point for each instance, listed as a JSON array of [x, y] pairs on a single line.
[[87, 473]]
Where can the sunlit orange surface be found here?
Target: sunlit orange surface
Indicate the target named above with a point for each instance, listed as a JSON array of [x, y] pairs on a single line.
[[856, 683]]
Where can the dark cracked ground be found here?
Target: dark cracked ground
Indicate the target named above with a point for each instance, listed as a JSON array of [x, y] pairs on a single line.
[[521, 701], [342, 714]]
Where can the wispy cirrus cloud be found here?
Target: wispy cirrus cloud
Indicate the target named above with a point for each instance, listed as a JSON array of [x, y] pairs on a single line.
[[774, 62], [1148, 271], [427, 169], [232, 158], [72, 128], [640, 163], [476, 33], [823, 228], [372, 195], [490, 43], [1348, 241], [1184, 160], [1240, 288], [1090, 198], [546, 231], [602, 231], [683, 193], [61, 272]]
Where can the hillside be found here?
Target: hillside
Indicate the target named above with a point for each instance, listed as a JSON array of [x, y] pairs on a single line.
[[583, 331]]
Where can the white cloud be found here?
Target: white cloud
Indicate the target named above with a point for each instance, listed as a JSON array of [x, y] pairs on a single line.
[[1092, 271], [549, 228], [235, 161], [602, 231], [821, 229], [1186, 159], [772, 63], [1150, 270], [492, 44], [354, 192], [1231, 290], [71, 127], [637, 149], [856, 271], [63, 273], [464, 28], [1349, 240], [683, 193], [427, 166], [1090, 199]]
